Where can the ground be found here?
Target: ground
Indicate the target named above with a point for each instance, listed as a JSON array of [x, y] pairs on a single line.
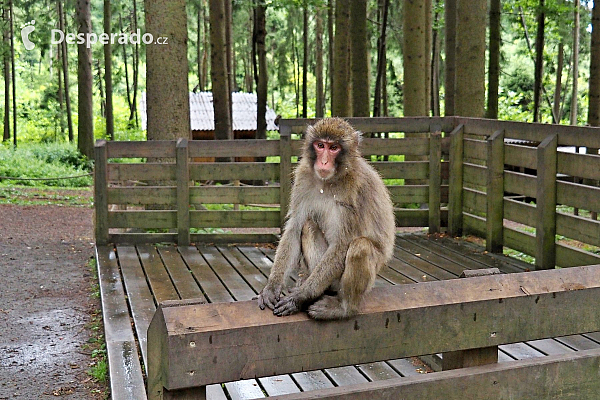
[[47, 305]]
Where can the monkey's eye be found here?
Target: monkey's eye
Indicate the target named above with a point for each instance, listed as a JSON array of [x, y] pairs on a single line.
[[320, 145], [334, 147]]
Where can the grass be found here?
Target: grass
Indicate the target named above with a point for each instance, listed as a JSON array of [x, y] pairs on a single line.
[[28, 196]]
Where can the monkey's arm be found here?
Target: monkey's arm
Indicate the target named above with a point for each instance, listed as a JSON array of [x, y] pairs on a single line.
[[287, 256]]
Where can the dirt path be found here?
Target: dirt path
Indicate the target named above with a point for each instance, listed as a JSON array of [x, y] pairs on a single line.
[[45, 303]]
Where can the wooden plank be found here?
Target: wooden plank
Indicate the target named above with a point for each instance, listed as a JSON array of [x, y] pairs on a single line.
[[580, 165], [239, 333], [285, 173], [244, 267], [405, 269], [232, 194], [139, 297], [407, 217], [426, 254], [148, 171], [158, 278], [520, 156], [279, 385], [234, 148], [453, 257], [183, 193], [312, 380], [234, 219], [435, 180], [142, 238], [578, 228], [421, 264], [409, 193], [402, 170], [378, 371], [244, 390], [234, 238], [126, 380], [495, 192], [578, 195], [549, 347], [393, 276], [141, 149], [474, 175], [344, 376], [545, 252], [578, 342], [211, 286], [455, 185], [475, 149], [151, 219], [520, 351], [239, 289], [221, 171], [379, 124], [179, 273], [100, 193], [142, 195], [572, 375], [518, 183], [475, 201], [472, 224], [520, 212], [406, 367], [389, 147]]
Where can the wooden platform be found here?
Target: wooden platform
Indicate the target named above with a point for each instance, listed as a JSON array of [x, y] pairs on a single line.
[[134, 279]]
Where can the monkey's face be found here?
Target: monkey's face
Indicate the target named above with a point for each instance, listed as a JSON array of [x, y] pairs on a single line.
[[326, 152]]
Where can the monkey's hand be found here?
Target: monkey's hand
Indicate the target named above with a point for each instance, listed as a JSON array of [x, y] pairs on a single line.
[[269, 296], [290, 304]]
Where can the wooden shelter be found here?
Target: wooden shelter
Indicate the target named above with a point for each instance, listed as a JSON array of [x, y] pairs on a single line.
[[184, 311]]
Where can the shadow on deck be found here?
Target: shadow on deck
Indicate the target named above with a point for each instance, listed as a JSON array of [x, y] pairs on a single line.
[[135, 279]]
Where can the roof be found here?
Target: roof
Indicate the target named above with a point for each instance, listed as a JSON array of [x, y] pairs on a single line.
[[202, 113]]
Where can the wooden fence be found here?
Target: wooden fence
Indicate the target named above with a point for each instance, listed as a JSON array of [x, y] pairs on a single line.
[[503, 182]]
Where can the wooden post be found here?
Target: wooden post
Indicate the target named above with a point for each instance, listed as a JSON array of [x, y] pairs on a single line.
[[101, 192], [435, 178], [545, 252], [495, 192], [285, 170], [455, 184], [183, 192], [472, 357]]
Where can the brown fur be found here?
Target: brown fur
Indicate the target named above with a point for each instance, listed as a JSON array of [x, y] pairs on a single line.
[[339, 233]]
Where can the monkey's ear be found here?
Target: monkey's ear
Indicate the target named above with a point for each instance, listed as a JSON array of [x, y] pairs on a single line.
[[359, 137], [309, 133]]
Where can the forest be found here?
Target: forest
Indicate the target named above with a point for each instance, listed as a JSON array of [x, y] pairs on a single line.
[[522, 60]]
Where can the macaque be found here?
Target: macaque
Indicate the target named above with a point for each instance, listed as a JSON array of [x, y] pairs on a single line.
[[339, 232]]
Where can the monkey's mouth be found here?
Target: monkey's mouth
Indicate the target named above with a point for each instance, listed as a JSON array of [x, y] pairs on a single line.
[[325, 174]]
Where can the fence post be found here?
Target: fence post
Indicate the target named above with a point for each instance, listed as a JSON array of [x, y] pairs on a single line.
[[101, 192], [545, 251], [183, 192], [435, 178], [285, 170], [495, 192], [455, 184]]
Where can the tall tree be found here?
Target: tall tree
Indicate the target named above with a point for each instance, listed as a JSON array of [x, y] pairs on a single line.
[[261, 86], [539, 60], [136, 68], [229, 50], [494, 60], [110, 122], [320, 95], [360, 59], [340, 106], [330, 40], [167, 93], [556, 114], [415, 58], [435, 63], [85, 127], [470, 49], [65, 71], [6, 69], [305, 60], [594, 96], [218, 66], [450, 52], [384, 6], [125, 65], [14, 74], [574, 97]]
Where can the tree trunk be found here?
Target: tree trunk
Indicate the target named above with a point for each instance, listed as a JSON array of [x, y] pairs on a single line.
[[435, 67], [494, 60], [14, 74], [360, 59], [415, 58], [450, 62], [320, 96], [199, 42], [110, 122], [65, 70], [229, 52], [556, 115], [261, 87], [7, 73], [60, 93], [127, 89], [167, 93], [594, 96], [428, 47], [305, 61], [330, 38], [218, 65], [384, 6], [470, 49], [101, 90], [574, 96], [340, 106], [539, 61], [136, 61], [85, 127]]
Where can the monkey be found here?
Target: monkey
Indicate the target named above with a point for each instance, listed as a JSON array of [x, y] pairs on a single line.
[[339, 231]]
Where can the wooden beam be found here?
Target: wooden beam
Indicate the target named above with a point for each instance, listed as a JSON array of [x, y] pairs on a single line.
[[455, 186], [435, 178], [545, 251], [495, 192], [183, 192], [285, 171], [567, 376], [101, 193], [203, 344]]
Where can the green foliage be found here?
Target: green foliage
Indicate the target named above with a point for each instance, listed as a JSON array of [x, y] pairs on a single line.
[[39, 160]]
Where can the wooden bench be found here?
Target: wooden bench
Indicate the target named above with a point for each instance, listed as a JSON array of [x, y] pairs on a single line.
[[191, 345]]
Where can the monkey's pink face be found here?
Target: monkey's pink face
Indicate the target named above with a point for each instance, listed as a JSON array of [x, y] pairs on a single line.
[[326, 151]]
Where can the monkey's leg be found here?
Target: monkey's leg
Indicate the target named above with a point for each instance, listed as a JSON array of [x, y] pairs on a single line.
[[314, 246], [362, 260]]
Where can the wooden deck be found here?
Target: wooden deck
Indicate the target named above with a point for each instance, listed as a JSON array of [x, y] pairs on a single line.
[[134, 279]]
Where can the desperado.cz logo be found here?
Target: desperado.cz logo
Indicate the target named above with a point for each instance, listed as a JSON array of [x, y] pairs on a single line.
[[89, 39]]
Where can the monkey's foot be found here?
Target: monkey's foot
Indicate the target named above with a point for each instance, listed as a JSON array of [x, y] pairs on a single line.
[[287, 306], [328, 307]]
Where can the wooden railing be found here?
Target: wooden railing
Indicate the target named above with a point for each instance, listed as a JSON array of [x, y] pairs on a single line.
[[490, 185]]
